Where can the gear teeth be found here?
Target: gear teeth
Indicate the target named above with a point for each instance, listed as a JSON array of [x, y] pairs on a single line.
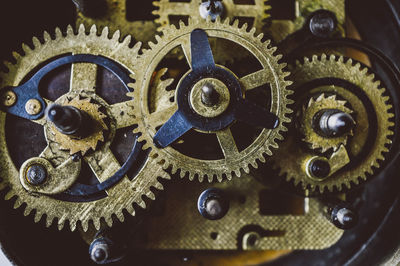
[[70, 30], [36, 42], [85, 225], [58, 33], [81, 30], [105, 32], [116, 36], [181, 24], [38, 216], [227, 21], [46, 37], [151, 195]]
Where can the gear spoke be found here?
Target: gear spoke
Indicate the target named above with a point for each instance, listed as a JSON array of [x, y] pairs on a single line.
[[104, 165], [83, 77], [255, 115], [161, 117], [227, 143], [123, 114], [186, 47], [257, 79], [172, 130], [202, 57]]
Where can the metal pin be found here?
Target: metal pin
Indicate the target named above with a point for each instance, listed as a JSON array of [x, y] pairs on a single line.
[[209, 96], [334, 123]]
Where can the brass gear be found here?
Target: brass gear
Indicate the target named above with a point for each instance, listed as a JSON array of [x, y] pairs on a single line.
[[234, 161], [365, 152], [82, 145], [311, 137], [258, 11], [124, 194]]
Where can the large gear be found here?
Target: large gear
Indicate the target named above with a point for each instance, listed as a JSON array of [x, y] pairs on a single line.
[[122, 195], [257, 11], [311, 137], [364, 152], [149, 120]]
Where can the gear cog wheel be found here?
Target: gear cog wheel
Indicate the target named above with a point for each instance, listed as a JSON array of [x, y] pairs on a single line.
[[311, 136], [193, 38], [118, 192], [372, 114]]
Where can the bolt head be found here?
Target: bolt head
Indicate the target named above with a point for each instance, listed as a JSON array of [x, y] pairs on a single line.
[[36, 174], [100, 250], [344, 217], [212, 9], [33, 107], [213, 204], [322, 23]]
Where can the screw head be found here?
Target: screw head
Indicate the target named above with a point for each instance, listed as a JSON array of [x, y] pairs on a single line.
[[212, 9], [100, 250], [36, 175], [213, 204], [8, 98], [344, 217], [33, 107], [322, 23]]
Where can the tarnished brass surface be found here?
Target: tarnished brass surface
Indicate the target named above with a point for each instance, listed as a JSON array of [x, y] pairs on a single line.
[[178, 225], [115, 19], [280, 29], [370, 141], [256, 10], [102, 161], [311, 137], [58, 179], [83, 145], [8, 98], [234, 161]]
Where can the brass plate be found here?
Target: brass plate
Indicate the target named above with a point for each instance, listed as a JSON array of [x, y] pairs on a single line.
[[180, 226]]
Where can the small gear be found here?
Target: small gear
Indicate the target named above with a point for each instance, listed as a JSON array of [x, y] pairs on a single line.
[[124, 192], [82, 145], [150, 119], [311, 136], [364, 151], [258, 11]]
